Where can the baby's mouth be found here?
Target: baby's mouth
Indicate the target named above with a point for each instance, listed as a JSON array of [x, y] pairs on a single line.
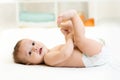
[[40, 51]]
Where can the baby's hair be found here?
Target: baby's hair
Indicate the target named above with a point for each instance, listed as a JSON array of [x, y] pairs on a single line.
[[16, 53]]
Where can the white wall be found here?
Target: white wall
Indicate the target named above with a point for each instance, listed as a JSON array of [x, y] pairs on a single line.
[[105, 10], [7, 14]]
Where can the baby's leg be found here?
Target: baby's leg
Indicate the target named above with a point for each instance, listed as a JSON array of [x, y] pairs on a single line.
[[88, 46]]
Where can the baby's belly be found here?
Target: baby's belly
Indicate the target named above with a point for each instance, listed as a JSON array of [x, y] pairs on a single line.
[[74, 61]]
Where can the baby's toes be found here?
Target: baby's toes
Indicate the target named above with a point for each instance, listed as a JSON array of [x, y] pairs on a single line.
[[59, 20]]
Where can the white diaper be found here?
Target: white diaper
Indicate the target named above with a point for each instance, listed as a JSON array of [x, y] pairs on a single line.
[[96, 60]]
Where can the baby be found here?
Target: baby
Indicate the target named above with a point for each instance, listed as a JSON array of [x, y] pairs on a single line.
[[78, 51]]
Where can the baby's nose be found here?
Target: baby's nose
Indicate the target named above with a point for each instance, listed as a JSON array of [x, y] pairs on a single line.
[[34, 49]]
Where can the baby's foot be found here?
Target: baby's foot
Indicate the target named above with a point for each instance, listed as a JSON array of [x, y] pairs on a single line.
[[66, 24], [66, 16]]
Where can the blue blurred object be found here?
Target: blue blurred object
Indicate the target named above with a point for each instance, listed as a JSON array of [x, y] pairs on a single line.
[[36, 17]]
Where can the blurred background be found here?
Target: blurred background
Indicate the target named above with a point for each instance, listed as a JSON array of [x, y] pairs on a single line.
[[22, 13]]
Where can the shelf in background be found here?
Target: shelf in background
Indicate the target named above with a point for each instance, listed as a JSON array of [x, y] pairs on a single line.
[[43, 13], [36, 17], [48, 1], [53, 0], [37, 25]]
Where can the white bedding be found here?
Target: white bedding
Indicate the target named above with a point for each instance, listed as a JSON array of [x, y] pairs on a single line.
[[51, 37]]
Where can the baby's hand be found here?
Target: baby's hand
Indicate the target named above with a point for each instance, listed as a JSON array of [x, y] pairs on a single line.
[[66, 27], [70, 36], [65, 31]]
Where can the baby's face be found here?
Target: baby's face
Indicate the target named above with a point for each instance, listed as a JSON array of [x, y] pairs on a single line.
[[32, 51]]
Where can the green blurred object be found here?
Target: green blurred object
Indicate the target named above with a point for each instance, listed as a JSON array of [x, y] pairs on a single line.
[[36, 17]]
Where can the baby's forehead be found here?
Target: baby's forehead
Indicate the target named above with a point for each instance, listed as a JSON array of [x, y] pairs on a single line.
[[25, 44], [26, 41]]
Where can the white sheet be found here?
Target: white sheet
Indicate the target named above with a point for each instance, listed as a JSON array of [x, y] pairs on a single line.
[[51, 37]]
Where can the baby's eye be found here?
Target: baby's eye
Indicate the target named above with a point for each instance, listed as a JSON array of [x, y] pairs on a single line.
[[30, 53], [33, 43]]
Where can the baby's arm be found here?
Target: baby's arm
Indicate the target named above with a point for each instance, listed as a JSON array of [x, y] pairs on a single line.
[[62, 53]]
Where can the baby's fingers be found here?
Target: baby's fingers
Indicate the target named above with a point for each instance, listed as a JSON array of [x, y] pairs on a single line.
[[64, 32]]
